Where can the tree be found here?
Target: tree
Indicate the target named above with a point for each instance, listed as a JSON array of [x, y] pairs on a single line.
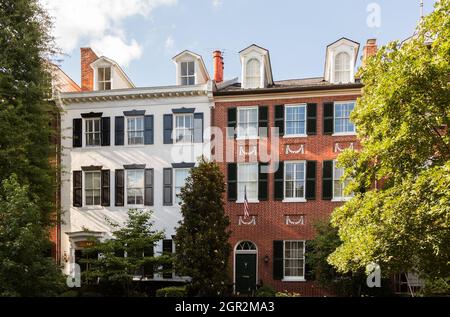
[[24, 110], [352, 283], [114, 263], [403, 120], [25, 270], [202, 248]]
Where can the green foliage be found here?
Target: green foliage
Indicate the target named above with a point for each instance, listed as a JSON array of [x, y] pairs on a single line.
[[265, 291], [173, 291], [202, 243], [24, 268], [402, 120], [288, 294], [24, 111], [435, 287], [112, 269]]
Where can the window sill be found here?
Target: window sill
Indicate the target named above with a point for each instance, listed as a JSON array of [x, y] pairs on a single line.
[[90, 208], [293, 279], [341, 199], [288, 136], [250, 138], [250, 201], [294, 200], [344, 134]]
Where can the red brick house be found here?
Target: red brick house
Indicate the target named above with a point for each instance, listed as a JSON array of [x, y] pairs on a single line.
[[296, 128]]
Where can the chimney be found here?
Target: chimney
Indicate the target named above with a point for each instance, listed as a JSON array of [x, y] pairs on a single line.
[[218, 66], [87, 73], [370, 50]]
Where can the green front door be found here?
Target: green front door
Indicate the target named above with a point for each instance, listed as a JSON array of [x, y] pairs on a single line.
[[245, 273]]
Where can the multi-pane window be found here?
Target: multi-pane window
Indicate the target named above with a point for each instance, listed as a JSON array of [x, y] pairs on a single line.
[[342, 68], [181, 175], [184, 128], [296, 120], [93, 132], [135, 187], [188, 73], [104, 78], [247, 125], [92, 185], [294, 259], [342, 123], [248, 181], [253, 76], [294, 180], [339, 184], [135, 130]]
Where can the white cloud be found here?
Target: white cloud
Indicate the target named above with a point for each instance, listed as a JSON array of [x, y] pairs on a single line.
[[98, 22], [217, 4], [115, 47], [169, 45]]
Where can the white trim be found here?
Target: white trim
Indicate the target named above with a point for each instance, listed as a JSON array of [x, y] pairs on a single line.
[[304, 105], [238, 201], [295, 278], [126, 190], [334, 118], [250, 201], [294, 200], [126, 131], [340, 198], [251, 137], [235, 252], [85, 206], [175, 116], [175, 170]]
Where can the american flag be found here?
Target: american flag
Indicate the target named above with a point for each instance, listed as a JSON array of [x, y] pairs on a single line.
[[246, 213]]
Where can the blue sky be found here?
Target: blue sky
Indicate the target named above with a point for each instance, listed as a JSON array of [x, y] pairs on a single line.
[[145, 34]]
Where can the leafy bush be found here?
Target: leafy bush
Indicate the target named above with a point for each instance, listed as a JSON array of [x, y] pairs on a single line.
[[265, 291], [287, 294], [173, 291]]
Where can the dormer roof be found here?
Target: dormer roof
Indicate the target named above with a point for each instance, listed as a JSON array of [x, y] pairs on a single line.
[[266, 55], [188, 54], [102, 60]]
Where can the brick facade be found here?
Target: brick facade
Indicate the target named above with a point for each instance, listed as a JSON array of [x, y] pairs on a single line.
[[271, 215]]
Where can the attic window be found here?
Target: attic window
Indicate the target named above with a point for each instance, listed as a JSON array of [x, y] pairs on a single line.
[[342, 68], [104, 78], [253, 75], [187, 73]]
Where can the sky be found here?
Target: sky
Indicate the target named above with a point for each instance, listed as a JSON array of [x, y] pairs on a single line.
[[144, 35]]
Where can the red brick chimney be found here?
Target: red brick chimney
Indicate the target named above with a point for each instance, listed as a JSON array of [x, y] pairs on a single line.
[[218, 66], [370, 49], [88, 56]]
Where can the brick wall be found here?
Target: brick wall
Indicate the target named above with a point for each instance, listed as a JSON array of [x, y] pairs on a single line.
[[271, 222]]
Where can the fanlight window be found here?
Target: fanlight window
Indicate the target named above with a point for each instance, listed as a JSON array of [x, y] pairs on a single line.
[[246, 246], [342, 68]]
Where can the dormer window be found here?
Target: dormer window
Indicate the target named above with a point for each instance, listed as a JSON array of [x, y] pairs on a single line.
[[253, 75], [342, 68], [104, 78], [187, 73]]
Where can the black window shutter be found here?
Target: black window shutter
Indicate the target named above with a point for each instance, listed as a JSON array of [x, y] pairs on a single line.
[[106, 131], [232, 122], [119, 135], [198, 127], [77, 188], [232, 182], [279, 119], [263, 183], [311, 124], [106, 188], [263, 113], [77, 132], [148, 130], [149, 179], [279, 182], [168, 127], [311, 168], [327, 180], [278, 265], [167, 248], [148, 267], [120, 188], [309, 270], [328, 118], [167, 187]]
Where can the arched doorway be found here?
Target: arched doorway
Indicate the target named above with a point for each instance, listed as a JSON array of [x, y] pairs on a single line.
[[245, 267]]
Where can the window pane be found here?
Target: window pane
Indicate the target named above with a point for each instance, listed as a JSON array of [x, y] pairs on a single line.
[[184, 67]]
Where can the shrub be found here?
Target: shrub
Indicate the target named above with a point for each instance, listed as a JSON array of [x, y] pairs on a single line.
[[265, 291], [287, 294], [173, 291]]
